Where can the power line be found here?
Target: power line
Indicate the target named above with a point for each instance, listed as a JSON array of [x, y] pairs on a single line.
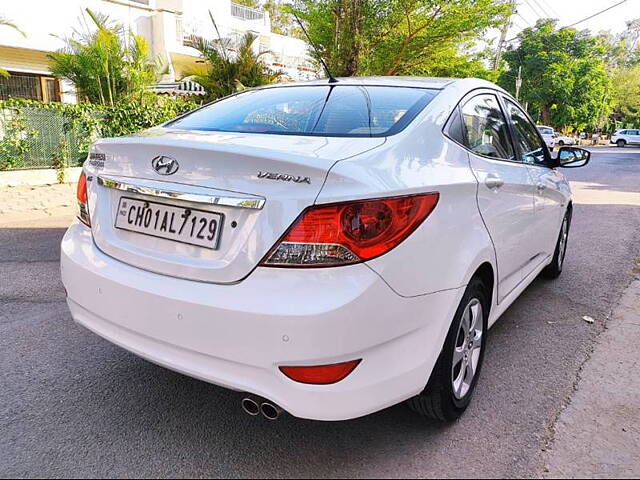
[[544, 10], [527, 22], [553, 10], [518, 26], [596, 14], [534, 10], [580, 21]]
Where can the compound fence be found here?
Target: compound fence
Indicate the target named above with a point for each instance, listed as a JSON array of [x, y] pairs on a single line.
[[39, 138]]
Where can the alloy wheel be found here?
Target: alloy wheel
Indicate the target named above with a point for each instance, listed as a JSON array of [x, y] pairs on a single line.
[[562, 246], [466, 354]]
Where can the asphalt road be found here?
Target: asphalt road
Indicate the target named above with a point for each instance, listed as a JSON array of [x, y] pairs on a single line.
[[71, 404]]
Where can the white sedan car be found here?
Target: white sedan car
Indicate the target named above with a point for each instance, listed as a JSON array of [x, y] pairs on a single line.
[[329, 249]]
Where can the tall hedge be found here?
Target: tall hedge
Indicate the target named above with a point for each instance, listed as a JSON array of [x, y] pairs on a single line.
[[87, 122]]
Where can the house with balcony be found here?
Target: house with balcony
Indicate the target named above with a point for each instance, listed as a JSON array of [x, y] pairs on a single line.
[[168, 26], [181, 20]]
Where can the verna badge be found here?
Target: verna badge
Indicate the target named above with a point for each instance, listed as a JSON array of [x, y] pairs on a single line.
[[164, 165], [284, 177]]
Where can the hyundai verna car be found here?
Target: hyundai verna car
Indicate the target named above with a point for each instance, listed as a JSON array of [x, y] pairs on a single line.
[[328, 249]]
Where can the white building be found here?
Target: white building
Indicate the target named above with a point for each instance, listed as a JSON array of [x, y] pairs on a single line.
[[166, 24]]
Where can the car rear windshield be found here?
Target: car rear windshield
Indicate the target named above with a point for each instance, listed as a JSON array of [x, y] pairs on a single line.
[[318, 110], [546, 131]]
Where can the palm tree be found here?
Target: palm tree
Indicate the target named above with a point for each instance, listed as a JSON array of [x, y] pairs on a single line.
[[5, 22], [106, 64], [231, 64]]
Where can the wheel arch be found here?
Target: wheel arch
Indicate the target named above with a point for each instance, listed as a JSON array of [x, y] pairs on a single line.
[[486, 273]]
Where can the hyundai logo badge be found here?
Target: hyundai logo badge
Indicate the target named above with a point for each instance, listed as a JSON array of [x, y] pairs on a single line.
[[165, 165]]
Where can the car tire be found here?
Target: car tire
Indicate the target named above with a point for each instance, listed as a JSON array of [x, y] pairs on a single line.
[[561, 143], [621, 143], [554, 269], [449, 389]]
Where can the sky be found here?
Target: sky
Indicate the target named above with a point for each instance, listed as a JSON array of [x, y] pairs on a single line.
[[571, 11]]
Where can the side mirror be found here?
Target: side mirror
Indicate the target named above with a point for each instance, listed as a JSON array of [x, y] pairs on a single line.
[[572, 157]]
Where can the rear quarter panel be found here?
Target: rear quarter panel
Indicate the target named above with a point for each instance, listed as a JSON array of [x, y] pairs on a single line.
[[444, 252]]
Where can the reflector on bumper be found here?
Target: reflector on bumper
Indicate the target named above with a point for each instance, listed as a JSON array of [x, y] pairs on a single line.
[[321, 374]]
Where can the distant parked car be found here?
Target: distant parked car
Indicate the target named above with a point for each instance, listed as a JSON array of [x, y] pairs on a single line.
[[548, 135], [562, 140], [626, 137]]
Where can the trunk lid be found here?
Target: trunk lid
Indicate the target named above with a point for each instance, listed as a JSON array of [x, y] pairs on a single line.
[[259, 184]]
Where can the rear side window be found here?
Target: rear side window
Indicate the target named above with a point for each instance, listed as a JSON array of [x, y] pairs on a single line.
[[455, 129], [335, 110], [486, 128]]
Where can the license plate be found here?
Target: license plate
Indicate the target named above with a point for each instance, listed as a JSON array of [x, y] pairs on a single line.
[[180, 224]]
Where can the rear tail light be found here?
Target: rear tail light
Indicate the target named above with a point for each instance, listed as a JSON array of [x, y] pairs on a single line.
[[321, 374], [83, 207], [350, 232]]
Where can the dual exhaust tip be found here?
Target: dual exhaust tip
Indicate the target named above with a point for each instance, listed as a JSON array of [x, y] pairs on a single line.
[[255, 406]]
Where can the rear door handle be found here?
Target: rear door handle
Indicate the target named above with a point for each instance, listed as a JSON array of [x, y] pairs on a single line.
[[493, 182]]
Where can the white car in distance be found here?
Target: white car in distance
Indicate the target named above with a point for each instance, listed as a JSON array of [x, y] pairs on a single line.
[[624, 137], [562, 140], [549, 135], [328, 248]]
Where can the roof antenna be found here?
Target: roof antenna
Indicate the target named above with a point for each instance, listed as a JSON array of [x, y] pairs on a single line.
[[332, 79]]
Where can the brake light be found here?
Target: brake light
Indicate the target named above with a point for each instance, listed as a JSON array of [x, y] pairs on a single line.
[[81, 194], [321, 374], [350, 232]]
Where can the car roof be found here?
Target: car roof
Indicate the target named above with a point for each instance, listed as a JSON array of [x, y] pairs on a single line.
[[422, 82]]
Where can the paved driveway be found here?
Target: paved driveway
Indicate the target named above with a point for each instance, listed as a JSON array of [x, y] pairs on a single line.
[[72, 404]]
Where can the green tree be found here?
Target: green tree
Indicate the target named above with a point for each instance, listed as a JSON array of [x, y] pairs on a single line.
[[626, 96], [564, 73], [622, 50], [398, 37], [107, 63], [281, 20], [230, 64]]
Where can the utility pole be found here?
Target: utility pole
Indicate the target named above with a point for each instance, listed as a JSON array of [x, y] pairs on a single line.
[[503, 37], [519, 82]]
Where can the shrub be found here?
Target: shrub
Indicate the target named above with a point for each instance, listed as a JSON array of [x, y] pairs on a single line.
[[134, 115], [107, 63], [14, 144], [82, 124]]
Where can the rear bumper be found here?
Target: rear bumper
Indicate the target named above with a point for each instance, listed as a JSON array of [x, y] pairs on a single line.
[[237, 335]]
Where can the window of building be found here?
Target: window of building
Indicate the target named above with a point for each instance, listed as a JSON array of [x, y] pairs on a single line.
[[31, 86]]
